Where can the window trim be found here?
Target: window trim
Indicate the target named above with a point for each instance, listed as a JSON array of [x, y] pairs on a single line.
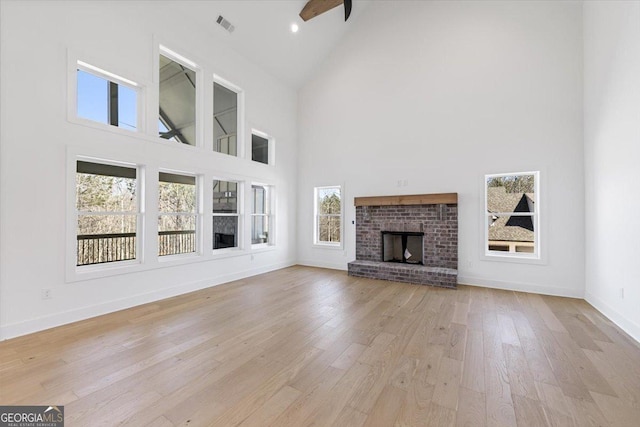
[[197, 213], [240, 147], [270, 207], [139, 214], [522, 257], [172, 54], [316, 215], [86, 64], [270, 148], [239, 214]]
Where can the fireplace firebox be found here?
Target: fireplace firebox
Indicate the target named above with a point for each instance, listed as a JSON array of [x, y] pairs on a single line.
[[402, 246]]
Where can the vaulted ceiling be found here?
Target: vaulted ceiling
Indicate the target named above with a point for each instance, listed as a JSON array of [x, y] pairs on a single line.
[[263, 33]]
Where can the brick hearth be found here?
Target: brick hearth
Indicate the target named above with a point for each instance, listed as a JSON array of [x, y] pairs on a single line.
[[438, 222]]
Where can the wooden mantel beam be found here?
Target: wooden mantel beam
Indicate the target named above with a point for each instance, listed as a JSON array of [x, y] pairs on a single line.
[[314, 8], [404, 200]]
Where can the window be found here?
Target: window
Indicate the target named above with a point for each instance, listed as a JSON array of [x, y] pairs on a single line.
[[225, 214], [177, 121], [225, 120], [107, 213], [261, 220], [328, 216], [104, 100], [512, 215], [259, 148], [178, 214]]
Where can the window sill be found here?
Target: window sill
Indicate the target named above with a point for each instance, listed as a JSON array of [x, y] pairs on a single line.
[[328, 246], [262, 247], [98, 271], [513, 258]]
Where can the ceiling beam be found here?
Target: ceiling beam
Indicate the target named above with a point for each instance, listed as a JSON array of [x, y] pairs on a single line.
[[314, 8]]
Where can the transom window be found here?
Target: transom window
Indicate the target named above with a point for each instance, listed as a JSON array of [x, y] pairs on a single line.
[[225, 120], [178, 214], [177, 112], [512, 215], [226, 219], [102, 98], [328, 215], [260, 147], [107, 212]]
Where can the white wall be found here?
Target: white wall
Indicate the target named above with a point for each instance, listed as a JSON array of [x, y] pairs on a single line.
[[612, 159], [36, 137], [439, 94]]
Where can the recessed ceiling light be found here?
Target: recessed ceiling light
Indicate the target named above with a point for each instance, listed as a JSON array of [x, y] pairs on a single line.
[[294, 28]]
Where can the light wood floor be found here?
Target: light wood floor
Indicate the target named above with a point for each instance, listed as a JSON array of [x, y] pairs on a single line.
[[306, 346]]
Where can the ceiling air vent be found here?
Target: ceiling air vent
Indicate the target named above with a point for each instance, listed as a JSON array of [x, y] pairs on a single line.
[[225, 24]]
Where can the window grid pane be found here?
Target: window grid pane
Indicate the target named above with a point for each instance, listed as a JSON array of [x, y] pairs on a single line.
[[225, 120], [107, 213], [178, 205], [511, 213]]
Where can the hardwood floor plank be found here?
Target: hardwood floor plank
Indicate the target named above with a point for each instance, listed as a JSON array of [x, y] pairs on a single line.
[[448, 383], [529, 413], [618, 412], [308, 346], [471, 409], [521, 381], [473, 368], [272, 408], [499, 406], [386, 409]]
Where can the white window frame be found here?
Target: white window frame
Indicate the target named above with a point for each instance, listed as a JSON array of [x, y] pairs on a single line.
[[140, 216], [199, 91], [87, 66], [198, 215], [316, 218], [238, 215], [269, 207], [270, 147], [240, 149], [514, 256]]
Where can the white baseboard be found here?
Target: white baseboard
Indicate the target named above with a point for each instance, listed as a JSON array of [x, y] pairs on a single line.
[[329, 265], [83, 313], [521, 287], [614, 315]]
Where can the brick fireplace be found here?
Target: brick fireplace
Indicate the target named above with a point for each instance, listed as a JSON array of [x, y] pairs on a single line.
[[433, 217]]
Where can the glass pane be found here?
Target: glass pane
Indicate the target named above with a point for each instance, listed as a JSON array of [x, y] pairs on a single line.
[[258, 200], [103, 193], [329, 200], [513, 193], [127, 108], [259, 149], [105, 239], [177, 102], [225, 197], [225, 120], [176, 196], [177, 234], [259, 229], [93, 97], [329, 229], [106, 224], [225, 232], [506, 233]]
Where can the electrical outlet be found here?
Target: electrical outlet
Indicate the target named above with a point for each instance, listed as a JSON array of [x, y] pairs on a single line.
[[399, 183], [46, 294], [405, 182], [622, 293]]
